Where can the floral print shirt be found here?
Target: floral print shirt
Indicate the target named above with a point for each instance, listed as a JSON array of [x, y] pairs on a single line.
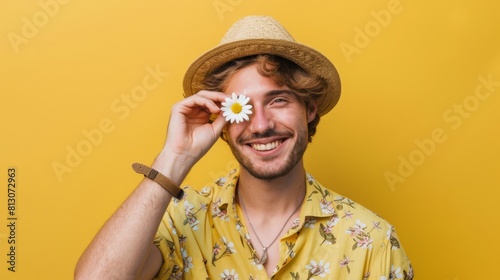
[[203, 236]]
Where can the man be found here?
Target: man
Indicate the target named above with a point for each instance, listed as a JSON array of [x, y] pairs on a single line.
[[267, 219]]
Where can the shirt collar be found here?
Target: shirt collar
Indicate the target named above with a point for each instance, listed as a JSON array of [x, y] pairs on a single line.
[[318, 202]]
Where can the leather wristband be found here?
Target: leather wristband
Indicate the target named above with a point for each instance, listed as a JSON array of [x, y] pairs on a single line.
[[159, 178]]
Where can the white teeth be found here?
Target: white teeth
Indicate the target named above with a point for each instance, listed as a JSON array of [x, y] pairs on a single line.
[[266, 147]]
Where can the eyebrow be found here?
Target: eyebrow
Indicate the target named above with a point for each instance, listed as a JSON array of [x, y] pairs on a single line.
[[278, 92]]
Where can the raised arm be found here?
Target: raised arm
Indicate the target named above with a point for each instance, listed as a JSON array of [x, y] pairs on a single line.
[[123, 248]]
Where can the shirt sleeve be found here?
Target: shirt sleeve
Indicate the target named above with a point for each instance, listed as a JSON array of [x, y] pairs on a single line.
[[392, 262], [167, 241]]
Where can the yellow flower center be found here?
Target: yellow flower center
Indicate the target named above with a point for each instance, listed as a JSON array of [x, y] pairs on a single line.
[[236, 108]]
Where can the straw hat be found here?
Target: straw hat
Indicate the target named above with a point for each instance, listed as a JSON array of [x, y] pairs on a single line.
[[253, 35]]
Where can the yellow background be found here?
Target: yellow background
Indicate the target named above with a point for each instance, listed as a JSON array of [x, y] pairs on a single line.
[[403, 81]]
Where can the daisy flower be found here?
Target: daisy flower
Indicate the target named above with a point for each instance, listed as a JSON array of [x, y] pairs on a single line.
[[235, 108]]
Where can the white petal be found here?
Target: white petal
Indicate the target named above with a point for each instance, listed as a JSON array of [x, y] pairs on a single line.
[[241, 98], [245, 101]]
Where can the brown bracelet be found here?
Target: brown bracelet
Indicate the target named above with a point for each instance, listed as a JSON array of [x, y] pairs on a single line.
[[159, 178]]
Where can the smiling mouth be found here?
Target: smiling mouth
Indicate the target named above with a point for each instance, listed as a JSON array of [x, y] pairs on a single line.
[[266, 147]]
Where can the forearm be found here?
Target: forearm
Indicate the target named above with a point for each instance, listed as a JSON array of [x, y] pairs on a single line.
[[123, 249], [123, 244]]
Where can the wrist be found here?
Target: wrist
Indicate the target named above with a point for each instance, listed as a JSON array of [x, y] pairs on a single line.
[[160, 179], [172, 165]]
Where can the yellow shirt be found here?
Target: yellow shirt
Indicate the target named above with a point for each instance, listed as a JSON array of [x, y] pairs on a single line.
[[203, 236]]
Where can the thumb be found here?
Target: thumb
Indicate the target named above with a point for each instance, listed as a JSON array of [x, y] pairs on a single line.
[[219, 124]]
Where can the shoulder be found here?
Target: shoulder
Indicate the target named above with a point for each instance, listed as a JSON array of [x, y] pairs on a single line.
[[348, 216], [357, 228], [328, 202]]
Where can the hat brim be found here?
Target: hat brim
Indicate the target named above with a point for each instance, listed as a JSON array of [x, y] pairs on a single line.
[[308, 58]]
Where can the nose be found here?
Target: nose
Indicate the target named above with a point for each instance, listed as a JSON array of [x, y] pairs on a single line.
[[261, 120]]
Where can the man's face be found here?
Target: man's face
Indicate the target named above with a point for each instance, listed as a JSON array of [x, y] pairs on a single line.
[[272, 143]]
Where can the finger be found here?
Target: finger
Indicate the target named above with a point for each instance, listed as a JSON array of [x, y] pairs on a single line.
[[217, 97], [218, 124], [201, 102], [212, 95]]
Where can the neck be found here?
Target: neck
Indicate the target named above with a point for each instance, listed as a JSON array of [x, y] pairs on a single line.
[[279, 195]]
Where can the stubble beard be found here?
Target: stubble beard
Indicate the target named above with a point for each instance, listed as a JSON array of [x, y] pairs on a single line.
[[271, 169]]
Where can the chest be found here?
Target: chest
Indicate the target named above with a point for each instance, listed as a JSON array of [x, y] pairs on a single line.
[[222, 248]]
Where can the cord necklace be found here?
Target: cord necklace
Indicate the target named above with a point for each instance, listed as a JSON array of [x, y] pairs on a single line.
[[263, 258]]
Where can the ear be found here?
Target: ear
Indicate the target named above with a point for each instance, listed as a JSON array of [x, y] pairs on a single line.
[[311, 111]]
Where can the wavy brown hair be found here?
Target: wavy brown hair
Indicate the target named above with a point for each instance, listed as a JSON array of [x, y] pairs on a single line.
[[306, 86]]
